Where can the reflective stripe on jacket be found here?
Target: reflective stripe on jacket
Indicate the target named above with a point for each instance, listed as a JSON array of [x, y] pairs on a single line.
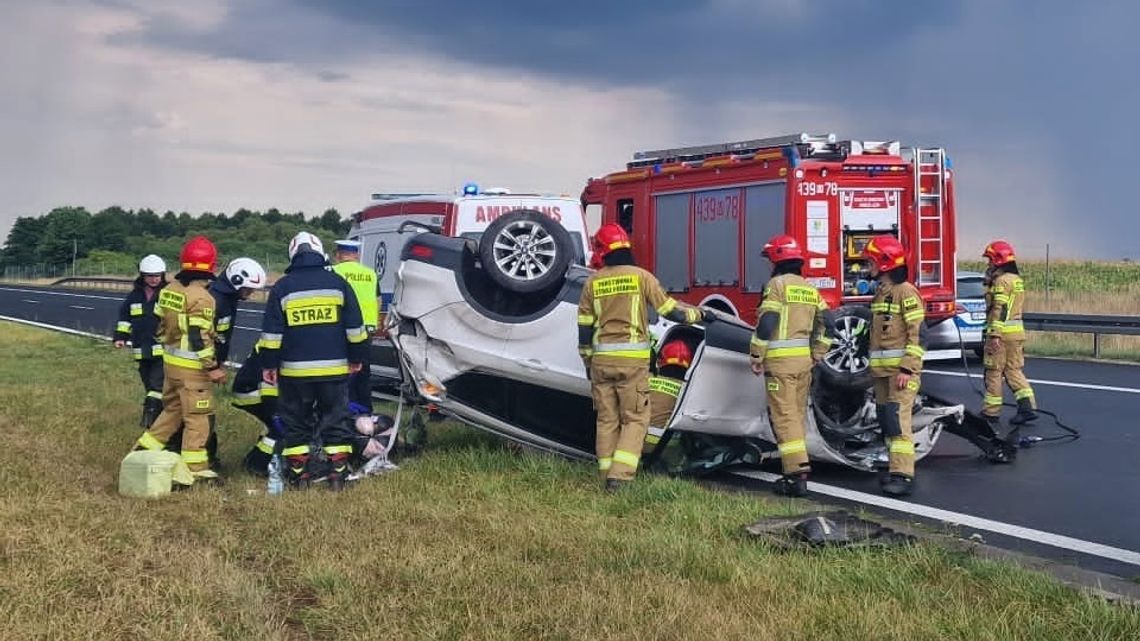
[[186, 325], [138, 324], [363, 282], [897, 314], [312, 326], [613, 316], [791, 321], [1005, 303]]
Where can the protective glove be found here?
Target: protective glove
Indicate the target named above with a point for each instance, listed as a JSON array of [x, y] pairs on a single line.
[[707, 315]]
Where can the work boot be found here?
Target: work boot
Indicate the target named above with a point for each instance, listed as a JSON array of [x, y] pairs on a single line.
[[298, 474], [792, 485], [614, 485], [152, 407], [898, 485], [1025, 413], [339, 471], [994, 423], [883, 474]]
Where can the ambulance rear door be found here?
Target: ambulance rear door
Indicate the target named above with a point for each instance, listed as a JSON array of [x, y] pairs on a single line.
[[474, 213]]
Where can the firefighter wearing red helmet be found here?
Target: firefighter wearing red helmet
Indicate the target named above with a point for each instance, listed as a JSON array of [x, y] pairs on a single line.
[[613, 340], [1004, 353], [792, 334], [673, 360], [186, 329], [897, 314]]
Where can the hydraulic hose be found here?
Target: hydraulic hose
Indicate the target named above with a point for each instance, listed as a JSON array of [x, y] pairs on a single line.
[[1071, 433]]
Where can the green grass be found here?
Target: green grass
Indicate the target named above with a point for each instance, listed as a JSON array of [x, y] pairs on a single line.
[[469, 541]]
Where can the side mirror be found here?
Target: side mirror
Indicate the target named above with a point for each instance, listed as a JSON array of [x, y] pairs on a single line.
[[418, 227]]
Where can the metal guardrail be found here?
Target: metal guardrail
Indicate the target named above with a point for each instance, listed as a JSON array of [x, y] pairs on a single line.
[[1082, 324], [97, 282]]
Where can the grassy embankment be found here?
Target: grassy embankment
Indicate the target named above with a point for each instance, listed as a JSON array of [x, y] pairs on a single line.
[[1081, 287], [469, 541]]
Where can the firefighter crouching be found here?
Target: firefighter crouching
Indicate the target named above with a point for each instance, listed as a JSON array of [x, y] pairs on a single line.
[[186, 329], [313, 338], [1004, 352], [259, 398], [137, 324], [792, 334], [365, 286], [673, 361], [897, 314], [613, 340]]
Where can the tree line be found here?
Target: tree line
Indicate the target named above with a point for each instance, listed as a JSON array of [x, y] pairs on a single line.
[[114, 238]]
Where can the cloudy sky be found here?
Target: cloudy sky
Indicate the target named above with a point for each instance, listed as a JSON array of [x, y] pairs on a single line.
[[305, 104]]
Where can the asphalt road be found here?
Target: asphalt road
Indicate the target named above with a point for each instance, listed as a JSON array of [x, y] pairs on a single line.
[[1088, 489]]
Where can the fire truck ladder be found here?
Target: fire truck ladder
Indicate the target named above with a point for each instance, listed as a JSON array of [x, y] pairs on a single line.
[[931, 206], [740, 147]]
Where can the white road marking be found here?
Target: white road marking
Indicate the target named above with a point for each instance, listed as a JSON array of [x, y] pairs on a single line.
[[1105, 388], [76, 332], [50, 293], [30, 301], [957, 518], [79, 307]]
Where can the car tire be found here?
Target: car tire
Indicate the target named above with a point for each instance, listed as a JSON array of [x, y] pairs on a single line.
[[848, 365], [525, 251]]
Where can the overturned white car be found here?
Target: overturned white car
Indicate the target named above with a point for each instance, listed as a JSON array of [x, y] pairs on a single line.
[[505, 359]]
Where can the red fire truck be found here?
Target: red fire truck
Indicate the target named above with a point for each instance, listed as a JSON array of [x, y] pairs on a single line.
[[699, 216]]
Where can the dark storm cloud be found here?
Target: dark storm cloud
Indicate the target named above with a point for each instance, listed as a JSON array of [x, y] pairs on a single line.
[[1019, 85]]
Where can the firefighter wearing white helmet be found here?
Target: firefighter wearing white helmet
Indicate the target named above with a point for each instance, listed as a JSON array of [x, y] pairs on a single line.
[[312, 338], [136, 325]]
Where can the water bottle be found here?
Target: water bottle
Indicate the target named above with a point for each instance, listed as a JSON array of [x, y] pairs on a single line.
[[276, 483]]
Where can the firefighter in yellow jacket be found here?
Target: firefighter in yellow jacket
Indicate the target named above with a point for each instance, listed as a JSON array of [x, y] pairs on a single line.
[[897, 314], [613, 340], [186, 330], [673, 360], [792, 334], [1004, 352]]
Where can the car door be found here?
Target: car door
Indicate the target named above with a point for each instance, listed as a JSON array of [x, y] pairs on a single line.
[[721, 395]]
